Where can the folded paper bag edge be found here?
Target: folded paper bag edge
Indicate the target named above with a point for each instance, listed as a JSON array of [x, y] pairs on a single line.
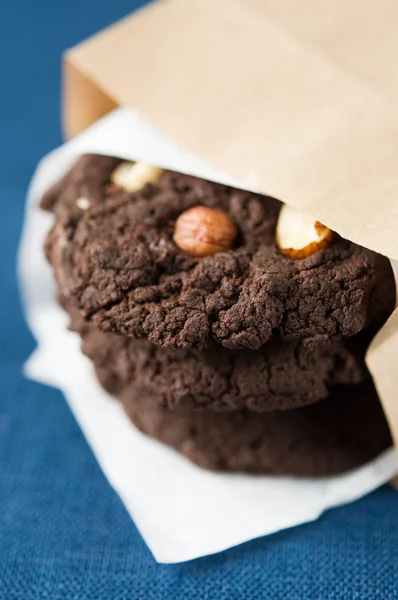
[[84, 98], [83, 102]]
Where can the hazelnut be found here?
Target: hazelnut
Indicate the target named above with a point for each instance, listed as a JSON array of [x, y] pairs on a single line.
[[201, 231], [299, 235], [134, 176]]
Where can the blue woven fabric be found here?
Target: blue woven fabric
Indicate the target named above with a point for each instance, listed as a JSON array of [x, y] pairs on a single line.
[[64, 533]]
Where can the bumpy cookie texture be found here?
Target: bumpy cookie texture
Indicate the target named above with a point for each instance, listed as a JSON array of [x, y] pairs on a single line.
[[335, 435], [281, 375], [119, 259]]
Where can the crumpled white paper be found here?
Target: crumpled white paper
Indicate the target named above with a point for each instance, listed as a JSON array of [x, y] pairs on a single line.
[[182, 511]]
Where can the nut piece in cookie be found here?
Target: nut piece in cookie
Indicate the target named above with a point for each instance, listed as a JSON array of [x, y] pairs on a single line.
[[202, 231], [83, 203], [134, 176], [299, 235]]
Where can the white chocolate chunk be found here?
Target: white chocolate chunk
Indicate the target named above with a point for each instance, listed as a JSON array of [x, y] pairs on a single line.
[[83, 203], [134, 176]]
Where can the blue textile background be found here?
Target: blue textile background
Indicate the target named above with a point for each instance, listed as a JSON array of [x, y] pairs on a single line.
[[63, 531]]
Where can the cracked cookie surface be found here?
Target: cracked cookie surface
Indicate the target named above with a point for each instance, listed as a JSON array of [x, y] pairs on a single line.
[[341, 432], [281, 375], [118, 259]]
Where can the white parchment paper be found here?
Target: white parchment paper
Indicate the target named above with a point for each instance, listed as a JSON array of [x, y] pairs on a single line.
[[182, 511]]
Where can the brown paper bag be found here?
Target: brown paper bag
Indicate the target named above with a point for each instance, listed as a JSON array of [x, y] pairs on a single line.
[[297, 99]]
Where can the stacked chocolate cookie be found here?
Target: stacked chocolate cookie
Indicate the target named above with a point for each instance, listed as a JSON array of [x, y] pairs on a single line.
[[230, 326]]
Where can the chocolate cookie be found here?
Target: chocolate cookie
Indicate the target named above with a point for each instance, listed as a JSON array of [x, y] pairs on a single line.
[[114, 252], [281, 375], [340, 433]]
